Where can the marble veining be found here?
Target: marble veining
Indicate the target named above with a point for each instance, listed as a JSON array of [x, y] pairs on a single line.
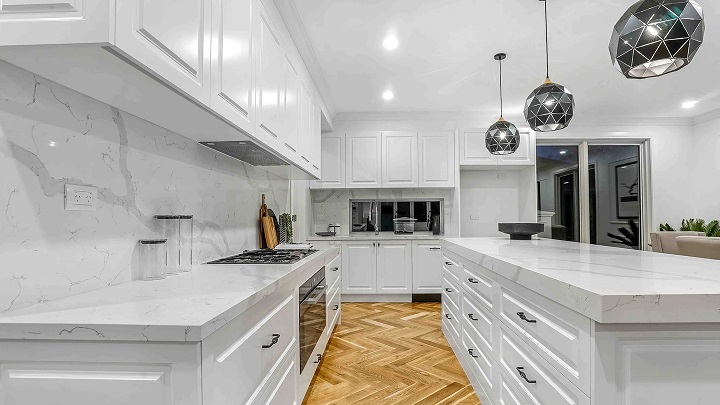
[[606, 284], [182, 308], [51, 136]]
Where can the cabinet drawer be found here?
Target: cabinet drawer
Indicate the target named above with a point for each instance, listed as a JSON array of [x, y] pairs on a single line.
[[332, 271], [542, 384], [452, 268], [508, 391], [451, 292], [333, 309], [479, 284], [479, 320], [480, 360], [285, 391], [241, 358], [450, 318], [560, 336]]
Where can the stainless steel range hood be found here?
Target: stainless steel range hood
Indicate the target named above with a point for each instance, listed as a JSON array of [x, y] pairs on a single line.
[[248, 152]]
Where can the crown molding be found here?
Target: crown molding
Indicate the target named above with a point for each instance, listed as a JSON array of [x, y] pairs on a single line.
[[706, 117], [298, 33]]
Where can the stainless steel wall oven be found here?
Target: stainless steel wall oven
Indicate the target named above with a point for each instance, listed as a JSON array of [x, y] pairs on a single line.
[[313, 315]]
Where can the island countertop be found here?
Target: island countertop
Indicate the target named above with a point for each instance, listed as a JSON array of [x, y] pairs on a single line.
[[184, 308], [606, 284]]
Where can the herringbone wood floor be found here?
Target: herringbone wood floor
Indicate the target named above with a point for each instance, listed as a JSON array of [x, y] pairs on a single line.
[[390, 354]]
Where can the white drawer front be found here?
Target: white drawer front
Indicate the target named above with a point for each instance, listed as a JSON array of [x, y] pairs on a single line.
[[508, 392], [451, 291], [479, 284], [543, 385], [478, 319], [560, 336], [452, 267], [285, 392], [333, 309], [332, 271], [481, 360], [450, 318]]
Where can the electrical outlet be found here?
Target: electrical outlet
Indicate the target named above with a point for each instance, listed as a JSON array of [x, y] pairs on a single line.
[[80, 198], [474, 217]]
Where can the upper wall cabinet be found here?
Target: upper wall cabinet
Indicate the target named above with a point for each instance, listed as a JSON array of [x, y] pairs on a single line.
[[169, 37], [211, 70], [399, 159], [363, 163], [437, 159], [232, 61], [474, 154], [333, 162]]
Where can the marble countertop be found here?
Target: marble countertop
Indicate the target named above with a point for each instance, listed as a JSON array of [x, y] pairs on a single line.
[[182, 308], [380, 236], [606, 284]]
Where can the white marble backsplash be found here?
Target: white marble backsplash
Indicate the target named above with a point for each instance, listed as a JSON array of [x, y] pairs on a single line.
[[50, 136], [333, 206]]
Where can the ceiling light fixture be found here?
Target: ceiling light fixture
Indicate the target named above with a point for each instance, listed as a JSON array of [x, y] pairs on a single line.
[[689, 104], [657, 37], [388, 95], [551, 106], [502, 138], [390, 42]]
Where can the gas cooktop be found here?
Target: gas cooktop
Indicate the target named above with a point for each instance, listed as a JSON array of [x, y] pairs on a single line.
[[266, 256]]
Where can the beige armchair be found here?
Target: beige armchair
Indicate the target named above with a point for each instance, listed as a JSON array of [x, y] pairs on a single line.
[[664, 242], [699, 246]]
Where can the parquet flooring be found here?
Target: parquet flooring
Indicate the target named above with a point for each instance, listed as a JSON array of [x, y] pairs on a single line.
[[386, 354]]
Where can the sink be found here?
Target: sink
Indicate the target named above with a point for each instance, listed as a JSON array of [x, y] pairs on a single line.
[[521, 230]]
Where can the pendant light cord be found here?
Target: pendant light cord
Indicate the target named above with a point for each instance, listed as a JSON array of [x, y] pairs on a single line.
[[547, 47], [501, 96]]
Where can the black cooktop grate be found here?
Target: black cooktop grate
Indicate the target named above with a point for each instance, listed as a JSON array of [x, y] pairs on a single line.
[[266, 256]]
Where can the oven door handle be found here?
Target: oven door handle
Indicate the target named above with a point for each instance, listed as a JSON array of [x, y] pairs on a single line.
[[314, 296]]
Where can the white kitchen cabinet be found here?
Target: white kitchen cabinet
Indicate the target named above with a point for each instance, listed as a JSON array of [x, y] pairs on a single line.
[[363, 160], [399, 159], [333, 162], [270, 83], [305, 134], [31, 22], [427, 267], [232, 62], [437, 159], [169, 37], [315, 139], [474, 154], [359, 268], [394, 267], [291, 114]]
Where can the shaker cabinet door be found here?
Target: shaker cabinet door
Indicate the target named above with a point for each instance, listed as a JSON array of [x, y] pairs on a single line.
[[359, 268], [399, 159], [437, 159], [394, 268], [362, 159]]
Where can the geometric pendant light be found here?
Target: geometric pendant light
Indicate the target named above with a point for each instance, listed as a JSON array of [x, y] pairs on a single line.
[[656, 37], [502, 138], [551, 106]]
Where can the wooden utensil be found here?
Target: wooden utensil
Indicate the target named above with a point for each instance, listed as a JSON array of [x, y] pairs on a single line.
[[268, 227]]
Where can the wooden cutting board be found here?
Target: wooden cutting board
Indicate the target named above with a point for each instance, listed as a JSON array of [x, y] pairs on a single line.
[[268, 234]]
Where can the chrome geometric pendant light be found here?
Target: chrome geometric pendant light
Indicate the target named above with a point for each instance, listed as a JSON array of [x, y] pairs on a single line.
[[502, 138], [551, 106], [656, 37]]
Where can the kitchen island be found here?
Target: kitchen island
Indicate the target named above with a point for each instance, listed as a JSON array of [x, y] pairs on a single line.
[[552, 323]]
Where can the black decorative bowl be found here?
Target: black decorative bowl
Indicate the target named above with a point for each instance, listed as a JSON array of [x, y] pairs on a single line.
[[325, 233], [521, 230]]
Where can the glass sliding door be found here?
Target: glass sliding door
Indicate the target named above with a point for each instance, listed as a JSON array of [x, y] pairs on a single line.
[[615, 195], [559, 191]]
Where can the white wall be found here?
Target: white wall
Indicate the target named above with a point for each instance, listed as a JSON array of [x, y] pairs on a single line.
[[50, 136], [704, 172]]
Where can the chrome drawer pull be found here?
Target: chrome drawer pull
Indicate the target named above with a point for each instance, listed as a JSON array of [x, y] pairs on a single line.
[[524, 318], [521, 371], [448, 316], [472, 318], [472, 280], [471, 354], [318, 359], [275, 339], [448, 290]]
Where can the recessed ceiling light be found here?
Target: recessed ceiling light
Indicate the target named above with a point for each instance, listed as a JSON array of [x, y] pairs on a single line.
[[51, 143], [562, 152], [390, 42], [388, 95], [689, 104]]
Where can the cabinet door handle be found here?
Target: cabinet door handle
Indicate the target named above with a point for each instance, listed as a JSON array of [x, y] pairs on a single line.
[[335, 269], [336, 307], [473, 281], [275, 339], [318, 359], [448, 290], [472, 354], [448, 263], [472, 317], [525, 318], [434, 248], [521, 371], [448, 316]]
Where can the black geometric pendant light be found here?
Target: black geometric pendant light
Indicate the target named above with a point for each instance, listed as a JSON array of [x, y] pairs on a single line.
[[656, 37], [551, 106], [502, 138]]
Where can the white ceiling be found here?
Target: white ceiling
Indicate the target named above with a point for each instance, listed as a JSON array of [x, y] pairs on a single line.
[[445, 59]]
